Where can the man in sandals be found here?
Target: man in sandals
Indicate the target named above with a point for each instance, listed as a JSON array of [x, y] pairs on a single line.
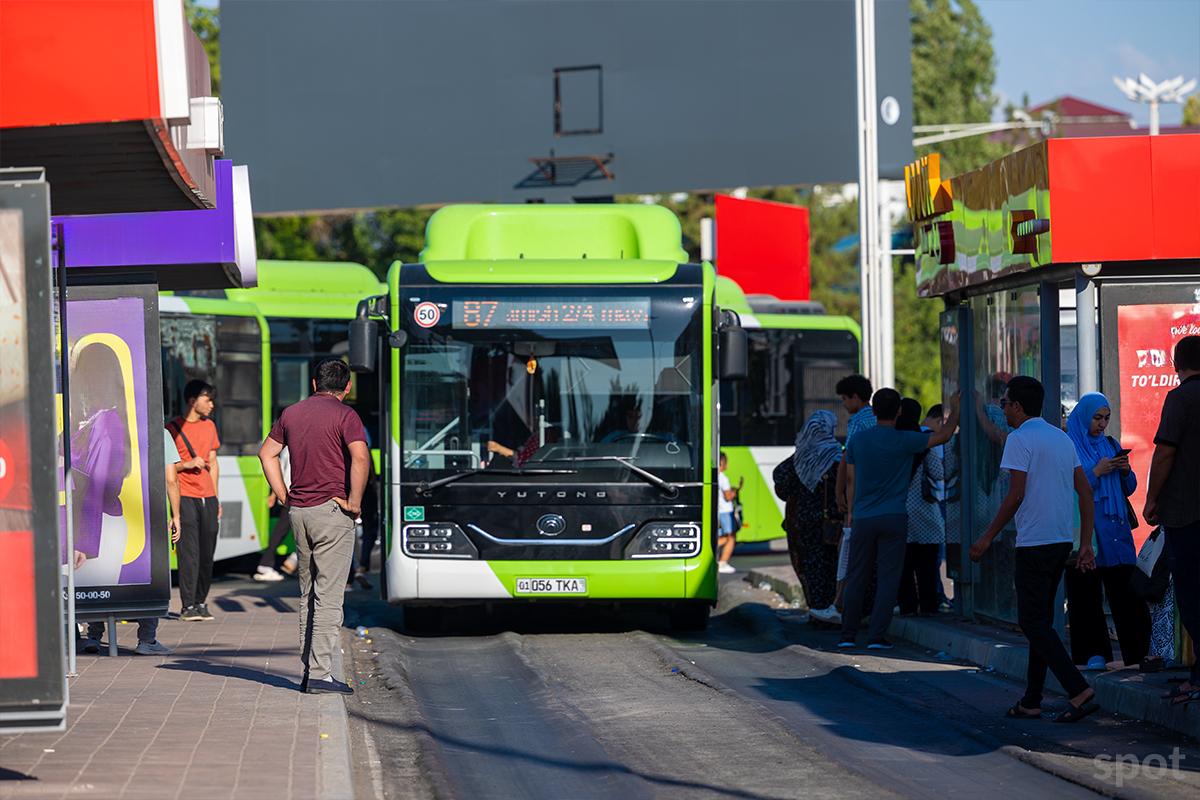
[[1046, 475], [1172, 498]]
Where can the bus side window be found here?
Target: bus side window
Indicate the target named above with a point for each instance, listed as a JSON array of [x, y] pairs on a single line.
[[239, 385]]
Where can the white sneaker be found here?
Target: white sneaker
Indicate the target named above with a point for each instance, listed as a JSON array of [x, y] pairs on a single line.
[[725, 568], [268, 574], [290, 563], [827, 615]]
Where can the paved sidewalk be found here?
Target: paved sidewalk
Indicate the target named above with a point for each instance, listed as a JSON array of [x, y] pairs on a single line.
[[221, 718], [1005, 653]]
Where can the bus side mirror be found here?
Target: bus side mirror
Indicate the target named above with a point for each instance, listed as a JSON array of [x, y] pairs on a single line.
[[734, 349], [364, 344]]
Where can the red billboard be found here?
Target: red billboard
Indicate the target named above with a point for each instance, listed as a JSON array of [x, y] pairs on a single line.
[[764, 247], [1146, 336]]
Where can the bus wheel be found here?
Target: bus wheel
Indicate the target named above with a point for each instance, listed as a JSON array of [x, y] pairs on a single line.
[[422, 619], [689, 617]]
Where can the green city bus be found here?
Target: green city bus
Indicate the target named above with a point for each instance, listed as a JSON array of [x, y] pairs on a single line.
[[297, 314], [552, 416], [797, 354]]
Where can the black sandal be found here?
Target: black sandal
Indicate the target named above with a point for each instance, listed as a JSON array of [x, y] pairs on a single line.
[[1183, 698], [1018, 711], [1075, 713]]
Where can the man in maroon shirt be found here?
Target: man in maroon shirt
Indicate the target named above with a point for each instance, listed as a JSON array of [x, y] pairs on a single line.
[[330, 462]]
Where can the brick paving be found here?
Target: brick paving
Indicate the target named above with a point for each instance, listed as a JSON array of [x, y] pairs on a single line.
[[220, 718]]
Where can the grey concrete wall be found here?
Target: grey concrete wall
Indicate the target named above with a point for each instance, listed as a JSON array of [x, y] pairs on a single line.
[[369, 103]]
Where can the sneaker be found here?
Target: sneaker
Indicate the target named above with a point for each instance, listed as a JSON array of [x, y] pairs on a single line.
[[829, 615], [268, 574], [154, 648], [327, 686], [846, 644], [725, 568], [204, 612], [90, 646], [880, 644], [191, 614], [288, 567]]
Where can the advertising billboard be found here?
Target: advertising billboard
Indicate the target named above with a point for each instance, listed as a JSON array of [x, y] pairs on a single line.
[[117, 474], [1146, 337], [32, 674]]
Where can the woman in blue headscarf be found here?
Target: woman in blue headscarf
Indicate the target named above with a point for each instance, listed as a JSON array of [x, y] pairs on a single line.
[[1112, 481]]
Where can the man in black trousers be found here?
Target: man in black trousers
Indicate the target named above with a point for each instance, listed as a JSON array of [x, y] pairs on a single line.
[[1046, 476]]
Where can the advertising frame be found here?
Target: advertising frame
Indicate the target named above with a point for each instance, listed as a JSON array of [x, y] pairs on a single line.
[[1113, 297], [38, 703], [150, 599]]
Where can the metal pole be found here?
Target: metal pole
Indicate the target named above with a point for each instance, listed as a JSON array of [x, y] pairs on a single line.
[[870, 282], [1086, 335], [1154, 117], [65, 385]]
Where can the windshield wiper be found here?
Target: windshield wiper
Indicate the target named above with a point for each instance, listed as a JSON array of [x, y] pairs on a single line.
[[427, 487], [645, 474]]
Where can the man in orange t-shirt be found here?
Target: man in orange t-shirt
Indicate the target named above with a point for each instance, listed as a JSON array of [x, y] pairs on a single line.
[[196, 438]]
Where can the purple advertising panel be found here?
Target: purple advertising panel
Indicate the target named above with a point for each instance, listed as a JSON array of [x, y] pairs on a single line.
[[32, 682], [115, 425]]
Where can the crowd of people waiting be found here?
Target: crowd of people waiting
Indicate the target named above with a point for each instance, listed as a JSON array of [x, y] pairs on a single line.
[[866, 524]]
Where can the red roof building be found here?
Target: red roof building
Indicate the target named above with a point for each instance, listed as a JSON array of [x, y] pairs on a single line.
[[1074, 117]]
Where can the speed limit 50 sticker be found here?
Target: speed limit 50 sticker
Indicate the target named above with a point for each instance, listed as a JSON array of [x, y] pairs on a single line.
[[427, 314]]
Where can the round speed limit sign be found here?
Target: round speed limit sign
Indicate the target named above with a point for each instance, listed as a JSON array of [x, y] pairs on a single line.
[[427, 314]]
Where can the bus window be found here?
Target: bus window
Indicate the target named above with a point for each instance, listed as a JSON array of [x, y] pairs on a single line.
[[189, 351], [239, 385]]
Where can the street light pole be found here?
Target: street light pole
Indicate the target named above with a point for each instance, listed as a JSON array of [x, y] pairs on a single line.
[[875, 280]]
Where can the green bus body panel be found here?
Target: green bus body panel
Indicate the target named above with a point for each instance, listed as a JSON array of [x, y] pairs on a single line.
[[653, 579], [553, 232], [761, 518], [731, 296], [552, 271], [805, 322], [310, 289]]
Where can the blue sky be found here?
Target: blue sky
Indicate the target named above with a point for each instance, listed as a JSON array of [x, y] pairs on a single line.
[[1050, 48]]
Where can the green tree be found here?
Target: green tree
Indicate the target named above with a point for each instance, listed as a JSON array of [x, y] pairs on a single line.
[[1191, 112], [207, 25], [953, 72]]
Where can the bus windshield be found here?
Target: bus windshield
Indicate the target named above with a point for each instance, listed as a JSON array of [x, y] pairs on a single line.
[[524, 382]]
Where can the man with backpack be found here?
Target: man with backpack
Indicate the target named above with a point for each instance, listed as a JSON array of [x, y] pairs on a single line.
[[196, 438]]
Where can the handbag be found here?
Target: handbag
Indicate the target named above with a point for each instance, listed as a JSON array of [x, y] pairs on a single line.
[[1153, 574]]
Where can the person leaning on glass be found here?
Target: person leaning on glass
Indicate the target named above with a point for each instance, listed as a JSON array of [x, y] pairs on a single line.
[[1106, 466]]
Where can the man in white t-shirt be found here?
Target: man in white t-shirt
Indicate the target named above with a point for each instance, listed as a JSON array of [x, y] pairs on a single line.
[[1046, 476], [725, 497]]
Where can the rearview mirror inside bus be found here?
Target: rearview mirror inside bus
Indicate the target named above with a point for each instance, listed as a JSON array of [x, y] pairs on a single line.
[[364, 344]]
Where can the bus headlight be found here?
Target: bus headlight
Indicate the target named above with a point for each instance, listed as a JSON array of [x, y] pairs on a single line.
[[665, 540], [437, 540]]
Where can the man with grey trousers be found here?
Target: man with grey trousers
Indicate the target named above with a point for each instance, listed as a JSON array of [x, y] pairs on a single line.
[[330, 463], [878, 471]]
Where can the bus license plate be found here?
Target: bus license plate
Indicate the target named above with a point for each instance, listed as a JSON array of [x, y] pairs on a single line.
[[551, 585]]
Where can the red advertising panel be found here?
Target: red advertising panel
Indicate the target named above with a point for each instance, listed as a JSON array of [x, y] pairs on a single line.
[[764, 246], [1146, 337]]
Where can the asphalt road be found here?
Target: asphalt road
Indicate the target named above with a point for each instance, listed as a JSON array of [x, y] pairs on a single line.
[[563, 703]]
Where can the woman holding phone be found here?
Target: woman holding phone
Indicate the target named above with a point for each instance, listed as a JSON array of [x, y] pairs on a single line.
[[1106, 465]]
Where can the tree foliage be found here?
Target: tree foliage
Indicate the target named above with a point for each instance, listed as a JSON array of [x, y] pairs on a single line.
[[1191, 112]]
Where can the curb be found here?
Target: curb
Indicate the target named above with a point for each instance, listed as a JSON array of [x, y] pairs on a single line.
[[334, 778], [1121, 691]]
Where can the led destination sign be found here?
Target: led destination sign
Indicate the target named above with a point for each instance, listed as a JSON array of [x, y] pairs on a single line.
[[552, 313]]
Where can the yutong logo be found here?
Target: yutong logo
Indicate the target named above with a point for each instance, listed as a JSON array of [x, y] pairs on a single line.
[[551, 494]]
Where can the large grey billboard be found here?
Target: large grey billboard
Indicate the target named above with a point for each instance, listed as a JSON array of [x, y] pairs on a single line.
[[370, 103]]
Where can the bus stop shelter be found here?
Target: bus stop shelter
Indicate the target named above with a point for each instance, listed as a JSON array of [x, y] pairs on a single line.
[[1075, 261]]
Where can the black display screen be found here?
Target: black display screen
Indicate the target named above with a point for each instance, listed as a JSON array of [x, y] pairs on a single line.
[[554, 313]]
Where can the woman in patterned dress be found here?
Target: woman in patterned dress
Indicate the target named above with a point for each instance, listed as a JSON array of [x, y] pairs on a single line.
[[926, 527], [807, 485]]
